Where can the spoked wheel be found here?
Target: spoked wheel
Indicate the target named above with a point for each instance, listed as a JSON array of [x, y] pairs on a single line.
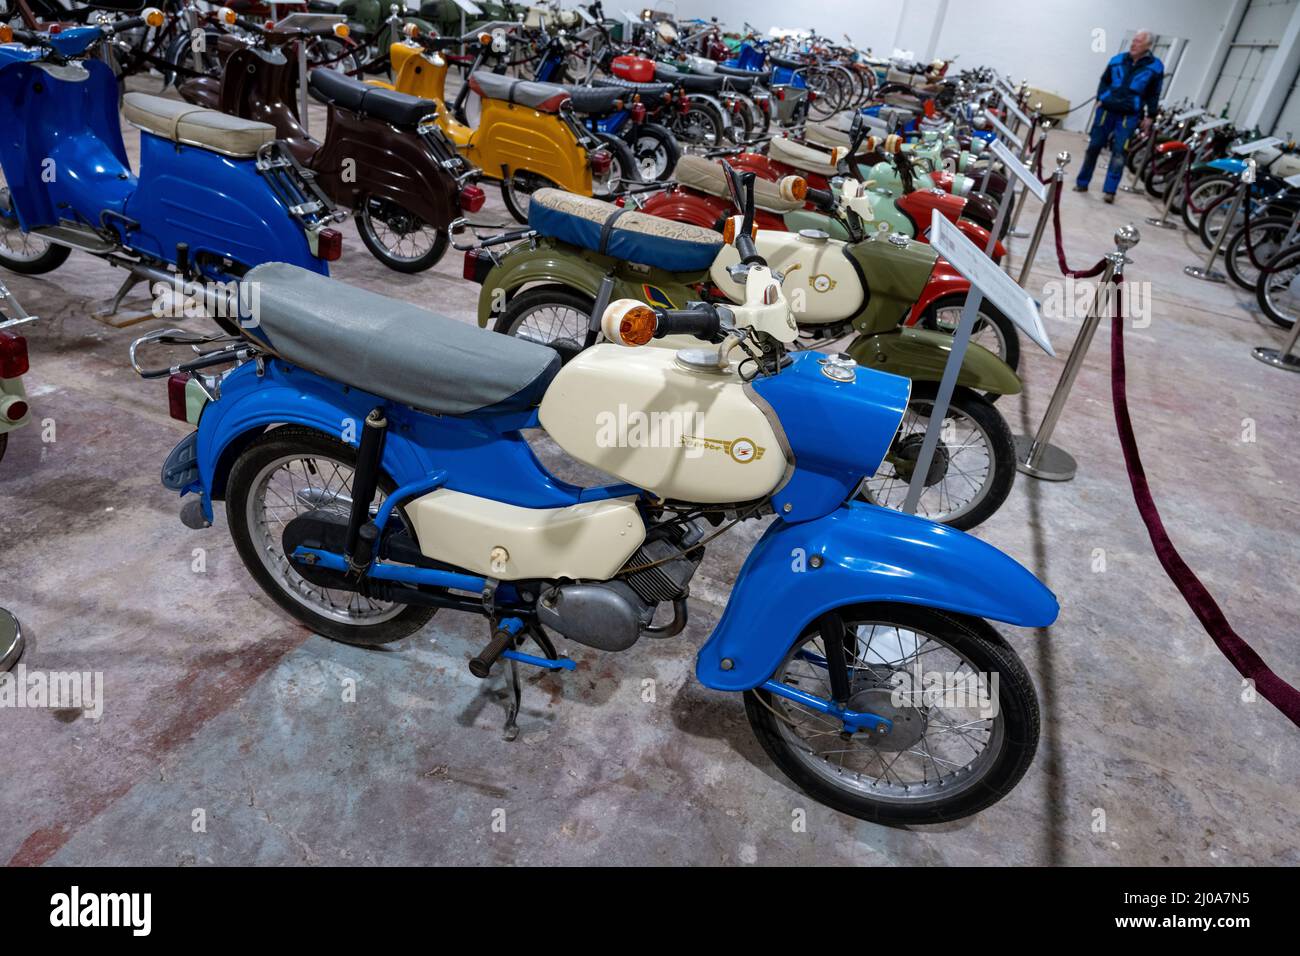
[[517, 188], [992, 328], [963, 708], [549, 315], [973, 468], [22, 252], [701, 125], [286, 473], [1214, 218], [400, 240], [1278, 288], [1202, 195], [1267, 237], [656, 152]]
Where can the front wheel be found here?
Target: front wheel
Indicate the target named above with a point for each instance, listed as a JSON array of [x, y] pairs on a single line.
[[286, 473], [22, 252], [549, 315], [963, 708], [656, 151], [973, 467], [400, 240], [992, 328], [516, 190], [1278, 288]]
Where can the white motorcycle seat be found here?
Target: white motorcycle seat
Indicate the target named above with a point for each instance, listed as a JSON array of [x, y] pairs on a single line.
[[824, 134], [707, 176], [394, 349], [191, 125], [799, 156]]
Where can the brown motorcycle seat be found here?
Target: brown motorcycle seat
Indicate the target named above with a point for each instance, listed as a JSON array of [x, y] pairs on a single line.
[[543, 97], [394, 349], [191, 125], [802, 157]]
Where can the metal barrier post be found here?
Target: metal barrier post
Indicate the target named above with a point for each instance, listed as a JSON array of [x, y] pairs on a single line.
[[1207, 271], [1037, 456], [1176, 183], [1044, 214]]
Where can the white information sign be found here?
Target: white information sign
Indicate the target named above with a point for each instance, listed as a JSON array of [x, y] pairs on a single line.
[[1207, 125], [1017, 112], [1002, 130], [1293, 181], [1185, 115], [1020, 170], [987, 276]]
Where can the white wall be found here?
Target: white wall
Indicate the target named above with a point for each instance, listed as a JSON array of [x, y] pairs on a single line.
[[1049, 42]]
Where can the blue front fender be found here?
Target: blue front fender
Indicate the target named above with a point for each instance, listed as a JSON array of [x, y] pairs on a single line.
[[865, 554]]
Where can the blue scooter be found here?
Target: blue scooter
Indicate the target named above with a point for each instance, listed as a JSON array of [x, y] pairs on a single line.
[[368, 482], [215, 196]]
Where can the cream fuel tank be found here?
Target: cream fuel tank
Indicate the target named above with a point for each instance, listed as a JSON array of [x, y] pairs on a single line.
[[685, 432]]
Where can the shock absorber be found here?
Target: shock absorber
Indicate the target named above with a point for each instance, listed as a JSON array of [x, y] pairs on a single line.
[[360, 539]]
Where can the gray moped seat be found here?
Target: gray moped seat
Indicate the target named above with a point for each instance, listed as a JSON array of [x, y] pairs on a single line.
[[543, 97], [195, 126], [394, 349]]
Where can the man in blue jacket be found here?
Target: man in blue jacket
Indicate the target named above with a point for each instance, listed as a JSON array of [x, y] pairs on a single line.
[[1128, 94]]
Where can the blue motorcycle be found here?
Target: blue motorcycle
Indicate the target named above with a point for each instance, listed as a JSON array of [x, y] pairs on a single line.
[[368, 481], [215, 195]]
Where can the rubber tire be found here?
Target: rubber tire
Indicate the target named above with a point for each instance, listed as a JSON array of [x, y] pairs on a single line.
[[1283, 258], [406, 266], [1202, 231], [1001, 445], [1010, 335], [4, 444], [289, 440], [707, 110], [989, 653], [543, 295], [1194, 224], [663, 137], [1236, 240], [47, 261], [520, 215], [624, 159]]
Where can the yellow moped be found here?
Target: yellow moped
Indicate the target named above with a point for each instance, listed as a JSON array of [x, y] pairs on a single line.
[[527, 136]]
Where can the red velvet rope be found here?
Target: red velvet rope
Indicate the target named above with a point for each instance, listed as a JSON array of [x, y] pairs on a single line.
[[1240, 654], [1060, 246]]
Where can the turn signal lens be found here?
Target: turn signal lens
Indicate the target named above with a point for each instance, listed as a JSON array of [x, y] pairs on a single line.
[[329, 244], [6, 33], [176, 405], [153, 17], [412, 30], [733, 223], [485, 38], [226, 15], [342, 30], [793, 188], [629, 322], [600, 161], [472, 198], [13, 355]]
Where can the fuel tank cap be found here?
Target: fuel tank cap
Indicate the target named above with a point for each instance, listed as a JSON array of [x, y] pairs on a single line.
[[814, 235], [839, 367]]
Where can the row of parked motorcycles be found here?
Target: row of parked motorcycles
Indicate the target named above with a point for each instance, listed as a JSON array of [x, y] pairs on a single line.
[[680, 335], [1197, 167]]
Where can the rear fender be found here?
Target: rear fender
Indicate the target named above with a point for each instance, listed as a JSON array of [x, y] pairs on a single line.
[[858, 554], [1172, 146], [922, 354], [546, 263]]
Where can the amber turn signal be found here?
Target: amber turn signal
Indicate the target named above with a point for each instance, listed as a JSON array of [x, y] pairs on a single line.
[[226, 15], [342, 30], [485, 38], [153, 17], [733, 223], [6, 33], [793, 188], [412, 30], [628, 322]]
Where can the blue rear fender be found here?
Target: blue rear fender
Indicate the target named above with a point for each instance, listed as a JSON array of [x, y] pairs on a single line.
[[859, 554]]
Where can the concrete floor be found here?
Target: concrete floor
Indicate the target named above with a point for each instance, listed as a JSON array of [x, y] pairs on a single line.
[[216, 701]]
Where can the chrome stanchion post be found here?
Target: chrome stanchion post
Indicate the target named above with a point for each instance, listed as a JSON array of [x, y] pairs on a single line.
[[1207, 271], [11, 640], [1285, 357], [1176, 183], [1037, 456], [1054, 187]]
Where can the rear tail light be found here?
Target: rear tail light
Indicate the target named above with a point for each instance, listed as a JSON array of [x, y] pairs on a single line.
[[329, 244], [780, 93], [478, 263], [472, 198], [13, 355], [812, 96], [638, 112], [13, 409], [684, 106], [54, 28], [176, 404], [601, 161]]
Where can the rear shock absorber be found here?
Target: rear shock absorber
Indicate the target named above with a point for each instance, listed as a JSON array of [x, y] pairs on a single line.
[[362, 532]]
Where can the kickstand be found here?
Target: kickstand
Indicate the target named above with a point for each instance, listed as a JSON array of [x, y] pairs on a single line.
[[512, 727], [130, 282]]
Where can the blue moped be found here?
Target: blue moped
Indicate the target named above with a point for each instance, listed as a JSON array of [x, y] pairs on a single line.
[[369, 481], [215, 196]]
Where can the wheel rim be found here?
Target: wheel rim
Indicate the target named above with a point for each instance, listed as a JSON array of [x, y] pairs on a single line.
[[561, 327], [287, 487], [940, 750], [16, 245], [1282, 289], [652, 157], [985, 332], [521, 187], [402, 236], [961, 472], [698, 127]]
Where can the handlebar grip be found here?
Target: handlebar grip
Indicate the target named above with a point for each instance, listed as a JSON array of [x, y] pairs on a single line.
[[823, 199], [121, 26], [701, 323], [28, 37], [748, 251]]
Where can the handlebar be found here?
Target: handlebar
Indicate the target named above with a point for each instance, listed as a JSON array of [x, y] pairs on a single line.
[[702, 321], [823, 199]]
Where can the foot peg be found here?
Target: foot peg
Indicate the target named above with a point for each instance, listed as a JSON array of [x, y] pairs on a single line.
[[502, 640]]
